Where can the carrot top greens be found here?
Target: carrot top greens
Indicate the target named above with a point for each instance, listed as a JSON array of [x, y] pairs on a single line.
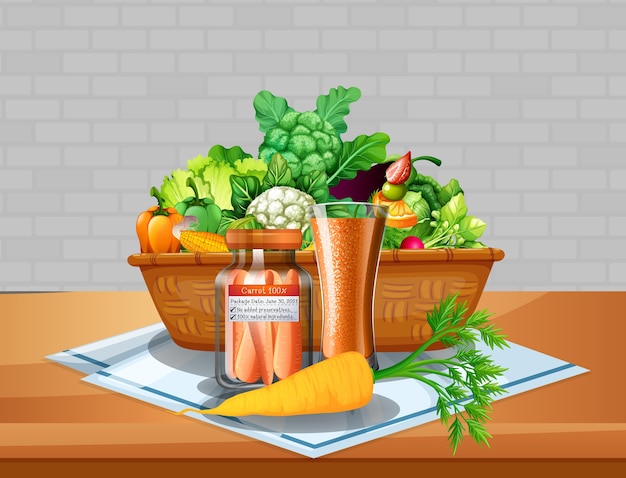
[[470, 377]]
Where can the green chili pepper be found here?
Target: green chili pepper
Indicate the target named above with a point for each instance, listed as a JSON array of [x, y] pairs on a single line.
[[205, 210]]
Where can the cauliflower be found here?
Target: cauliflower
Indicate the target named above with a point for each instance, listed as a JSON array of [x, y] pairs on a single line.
[[281, 207]]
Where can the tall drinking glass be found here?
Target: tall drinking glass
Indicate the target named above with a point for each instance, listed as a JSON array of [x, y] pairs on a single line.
[[348, 238]]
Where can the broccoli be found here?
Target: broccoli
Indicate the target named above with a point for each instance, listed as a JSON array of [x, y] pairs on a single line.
[[310, 141], [307, 142]]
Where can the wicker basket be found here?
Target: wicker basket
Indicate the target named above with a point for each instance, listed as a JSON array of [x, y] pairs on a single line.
[[409, 283]]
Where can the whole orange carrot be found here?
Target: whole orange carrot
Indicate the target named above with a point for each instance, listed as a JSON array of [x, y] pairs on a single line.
[[343, 382]]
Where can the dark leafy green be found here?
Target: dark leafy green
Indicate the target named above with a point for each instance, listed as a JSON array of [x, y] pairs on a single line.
[[428, 193], [269, 110], [228, 216], [360, 155], [228, 155], [245, 189], [314, 185], [336, 105], [278, 173], [449, 191]]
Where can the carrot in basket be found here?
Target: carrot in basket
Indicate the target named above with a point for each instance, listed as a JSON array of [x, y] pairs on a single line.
[[288, 340], [345, 381]]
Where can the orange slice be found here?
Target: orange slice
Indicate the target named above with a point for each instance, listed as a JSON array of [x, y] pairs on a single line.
[[400, 214]]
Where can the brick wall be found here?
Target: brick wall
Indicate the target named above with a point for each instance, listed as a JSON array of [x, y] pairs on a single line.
[[524, 101]]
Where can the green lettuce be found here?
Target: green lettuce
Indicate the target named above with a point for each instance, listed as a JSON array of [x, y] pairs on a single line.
[[174, 188], [217, 174], [212, 173], [420, 207], [251, 167]]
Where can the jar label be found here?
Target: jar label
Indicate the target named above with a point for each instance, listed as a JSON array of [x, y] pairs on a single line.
[[263, 303]]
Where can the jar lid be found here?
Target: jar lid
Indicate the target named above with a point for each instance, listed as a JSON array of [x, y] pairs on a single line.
[[264, 238]]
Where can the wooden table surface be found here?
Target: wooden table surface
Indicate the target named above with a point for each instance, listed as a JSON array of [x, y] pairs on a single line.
[[51, 422]]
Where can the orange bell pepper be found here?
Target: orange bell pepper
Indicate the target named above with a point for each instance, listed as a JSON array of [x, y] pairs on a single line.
[[154, 227]]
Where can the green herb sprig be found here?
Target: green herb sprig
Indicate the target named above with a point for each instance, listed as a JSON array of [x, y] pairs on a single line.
[[471, 377]]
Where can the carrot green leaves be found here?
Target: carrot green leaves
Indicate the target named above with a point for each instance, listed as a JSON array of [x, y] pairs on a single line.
[[467, 382]]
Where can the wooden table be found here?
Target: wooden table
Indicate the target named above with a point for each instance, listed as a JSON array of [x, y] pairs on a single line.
[[51, 422]]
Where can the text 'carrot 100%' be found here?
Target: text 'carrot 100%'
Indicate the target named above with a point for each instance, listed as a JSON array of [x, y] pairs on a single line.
[[263, 310]]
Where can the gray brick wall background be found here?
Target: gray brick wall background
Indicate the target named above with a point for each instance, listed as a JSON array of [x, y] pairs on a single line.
[[524, 102]]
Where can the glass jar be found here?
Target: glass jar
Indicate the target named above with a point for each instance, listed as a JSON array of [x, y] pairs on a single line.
[[263, 310]]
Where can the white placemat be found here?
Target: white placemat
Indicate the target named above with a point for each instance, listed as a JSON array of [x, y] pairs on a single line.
[[146, 364]]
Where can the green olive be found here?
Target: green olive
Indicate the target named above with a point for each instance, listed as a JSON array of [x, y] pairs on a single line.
[[394, 192]]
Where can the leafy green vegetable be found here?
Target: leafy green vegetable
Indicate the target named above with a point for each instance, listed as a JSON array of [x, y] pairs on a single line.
[[215, 172], [175, 190], [454, 210], [428, 193], [393, 237], [334, 106], [269, 110], [278, 173], [453, 227], [244, 190], [227, 155], [422, 210], [471, 228], [228, 217], [449, 191], [307, 238], [465, 383], [422, 179], [251, 167], [315, 185], [359, 155]]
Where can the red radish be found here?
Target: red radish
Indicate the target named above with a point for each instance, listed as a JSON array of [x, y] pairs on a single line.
[[400, 170], [411, 242]]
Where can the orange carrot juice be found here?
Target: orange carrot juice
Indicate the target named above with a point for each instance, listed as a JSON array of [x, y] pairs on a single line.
[[347, 251]]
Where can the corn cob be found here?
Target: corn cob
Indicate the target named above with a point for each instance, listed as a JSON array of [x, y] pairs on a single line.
[[196, 241]]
